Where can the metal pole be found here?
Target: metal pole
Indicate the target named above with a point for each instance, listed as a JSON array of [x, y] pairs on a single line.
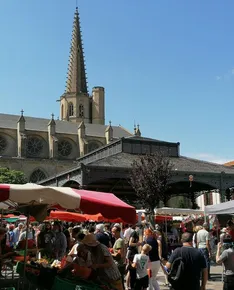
[[1, 217], [26, 249]]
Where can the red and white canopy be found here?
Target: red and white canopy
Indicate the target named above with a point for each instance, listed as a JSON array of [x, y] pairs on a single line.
[[90, 202]]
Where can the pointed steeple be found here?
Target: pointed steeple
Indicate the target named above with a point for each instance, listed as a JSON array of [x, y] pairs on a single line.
[[137, 131], [52, 121], [109, 133], [21, 118], [76, 76]]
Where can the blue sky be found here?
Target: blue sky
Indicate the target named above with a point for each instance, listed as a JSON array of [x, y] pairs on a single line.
[[168, 65]]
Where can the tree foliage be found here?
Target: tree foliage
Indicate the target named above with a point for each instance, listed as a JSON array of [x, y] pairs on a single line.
[[150, 178], [12, 176]]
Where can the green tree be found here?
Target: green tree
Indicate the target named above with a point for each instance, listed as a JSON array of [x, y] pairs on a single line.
[[181, 203], [12, 176], [150, 177]]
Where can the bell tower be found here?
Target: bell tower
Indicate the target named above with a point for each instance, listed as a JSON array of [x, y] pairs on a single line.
[[75, 103]]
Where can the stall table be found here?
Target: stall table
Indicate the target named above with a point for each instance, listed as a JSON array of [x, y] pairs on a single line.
[[61, 284], [46, 278], [42, 277]]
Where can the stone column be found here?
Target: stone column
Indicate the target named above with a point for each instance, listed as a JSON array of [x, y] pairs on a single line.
[[81, 138], [52, 139]]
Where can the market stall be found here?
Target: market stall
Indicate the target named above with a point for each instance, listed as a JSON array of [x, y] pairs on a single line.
[[222, 208], [178, 211], [33, 196], [173, 236], [35, 200]]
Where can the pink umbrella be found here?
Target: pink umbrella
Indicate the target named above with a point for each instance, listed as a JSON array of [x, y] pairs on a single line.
[[90, 202]]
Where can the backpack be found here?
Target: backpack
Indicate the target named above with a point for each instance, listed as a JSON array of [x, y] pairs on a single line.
[[176, 273]]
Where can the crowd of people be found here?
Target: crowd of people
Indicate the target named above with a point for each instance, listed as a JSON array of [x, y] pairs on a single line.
[[128, 257]]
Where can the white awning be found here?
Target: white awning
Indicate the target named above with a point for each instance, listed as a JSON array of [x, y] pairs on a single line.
[[178, 211], [222, 208]]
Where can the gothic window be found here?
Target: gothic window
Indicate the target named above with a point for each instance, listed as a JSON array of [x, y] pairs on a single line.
[[3, 144], [62, 112], [64, 148], [93, 146], [37, 176], [81, 111], [70, 109], [34, 146]]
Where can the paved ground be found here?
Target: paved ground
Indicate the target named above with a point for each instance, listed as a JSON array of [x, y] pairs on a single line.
[[214, 284]]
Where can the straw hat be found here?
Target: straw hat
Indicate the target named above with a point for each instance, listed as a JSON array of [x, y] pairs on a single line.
[[90, 240]]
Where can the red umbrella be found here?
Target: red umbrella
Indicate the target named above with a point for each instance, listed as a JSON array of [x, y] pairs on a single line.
[[90, 202], [64, 216], [162, 218], [67, 216], [100, 218]]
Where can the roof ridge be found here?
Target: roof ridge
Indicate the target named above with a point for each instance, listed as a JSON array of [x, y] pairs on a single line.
[[128, 131], [205, 161]]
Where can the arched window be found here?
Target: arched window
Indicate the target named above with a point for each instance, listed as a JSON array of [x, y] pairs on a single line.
[[3, 144], [37, 176], [81, 111], [34, 146], [64, 148], [70, 109]]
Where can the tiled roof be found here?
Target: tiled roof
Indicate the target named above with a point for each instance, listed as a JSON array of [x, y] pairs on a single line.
[[149, 140], [180, 163], [64, 127]]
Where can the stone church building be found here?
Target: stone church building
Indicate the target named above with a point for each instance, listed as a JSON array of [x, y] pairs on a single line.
[[45, 147]]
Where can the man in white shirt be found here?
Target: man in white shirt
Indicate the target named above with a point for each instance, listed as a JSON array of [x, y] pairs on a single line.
[[127, 233], [203, 245]]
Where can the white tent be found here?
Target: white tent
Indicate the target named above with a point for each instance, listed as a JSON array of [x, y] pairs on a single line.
[[178, 211], [222, 208]]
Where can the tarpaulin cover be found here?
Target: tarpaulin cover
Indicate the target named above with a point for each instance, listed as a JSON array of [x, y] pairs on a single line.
[[90, 202]]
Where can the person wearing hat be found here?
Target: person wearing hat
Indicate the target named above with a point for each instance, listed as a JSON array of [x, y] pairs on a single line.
[[203, 245], [102, 262]]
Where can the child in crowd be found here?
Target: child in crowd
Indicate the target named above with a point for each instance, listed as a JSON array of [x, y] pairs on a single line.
[[141, 263]]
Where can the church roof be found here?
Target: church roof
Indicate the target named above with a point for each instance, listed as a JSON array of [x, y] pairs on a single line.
[[8, 121], [181, 163]]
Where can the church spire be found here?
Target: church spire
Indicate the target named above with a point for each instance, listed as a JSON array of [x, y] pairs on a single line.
[[76, 76]]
